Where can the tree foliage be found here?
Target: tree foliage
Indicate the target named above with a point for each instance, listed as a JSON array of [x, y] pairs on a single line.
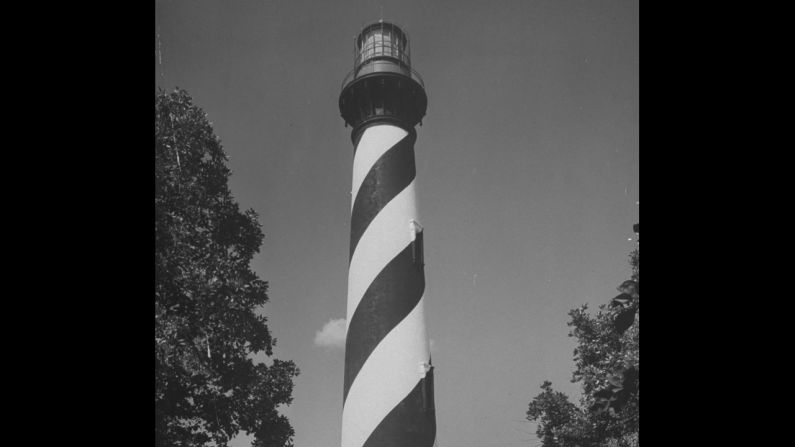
[[607, 366], [207, 326]]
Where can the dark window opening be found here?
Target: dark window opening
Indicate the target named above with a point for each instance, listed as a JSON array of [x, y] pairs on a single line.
[[417, 249], [427, 390]]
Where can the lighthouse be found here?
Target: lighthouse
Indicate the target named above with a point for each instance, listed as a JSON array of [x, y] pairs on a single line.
[[388, 387]]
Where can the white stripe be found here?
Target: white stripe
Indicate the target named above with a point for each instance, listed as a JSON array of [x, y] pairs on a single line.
[[386, 378], [386, 236], [374, 143]]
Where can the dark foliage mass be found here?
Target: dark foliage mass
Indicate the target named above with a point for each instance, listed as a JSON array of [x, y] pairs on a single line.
[[208, 301], [607, 364]]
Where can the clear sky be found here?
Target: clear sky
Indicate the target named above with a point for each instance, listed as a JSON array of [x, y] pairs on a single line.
[[527, 171]]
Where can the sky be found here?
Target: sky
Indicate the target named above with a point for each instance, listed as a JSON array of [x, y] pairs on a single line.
[[527, 172]]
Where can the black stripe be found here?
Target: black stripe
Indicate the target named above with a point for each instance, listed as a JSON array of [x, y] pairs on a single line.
[[408, 424], [388, 176], [391, 296]]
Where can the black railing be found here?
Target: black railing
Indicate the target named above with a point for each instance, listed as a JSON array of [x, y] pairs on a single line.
[[404, 69]]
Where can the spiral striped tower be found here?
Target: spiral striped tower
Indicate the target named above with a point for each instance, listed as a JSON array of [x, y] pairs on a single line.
[[388, 389]]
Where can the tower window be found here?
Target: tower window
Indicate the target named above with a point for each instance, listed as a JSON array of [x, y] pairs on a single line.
[[417, 248], [427, 390]]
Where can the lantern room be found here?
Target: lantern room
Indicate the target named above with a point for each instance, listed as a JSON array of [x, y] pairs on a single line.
[[382, 41], [382, 84]]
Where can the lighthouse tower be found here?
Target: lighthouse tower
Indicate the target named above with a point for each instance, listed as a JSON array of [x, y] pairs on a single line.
[[388, 391]]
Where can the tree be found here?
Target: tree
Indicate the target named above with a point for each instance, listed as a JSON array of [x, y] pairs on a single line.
[[557, 417], [207, 327], [607, 364]]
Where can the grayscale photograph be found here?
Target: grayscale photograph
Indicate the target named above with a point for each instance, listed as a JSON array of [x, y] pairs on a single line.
[[397, 224]]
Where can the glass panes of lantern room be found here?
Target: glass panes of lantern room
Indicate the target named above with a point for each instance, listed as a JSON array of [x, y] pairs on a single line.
[[383, 40]]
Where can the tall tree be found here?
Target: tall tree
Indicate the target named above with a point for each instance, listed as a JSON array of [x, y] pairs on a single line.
[[607, 364], [208, 320]]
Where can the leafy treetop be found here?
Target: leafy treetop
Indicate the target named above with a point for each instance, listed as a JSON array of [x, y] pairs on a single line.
[[207, 324], [607, 364]]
